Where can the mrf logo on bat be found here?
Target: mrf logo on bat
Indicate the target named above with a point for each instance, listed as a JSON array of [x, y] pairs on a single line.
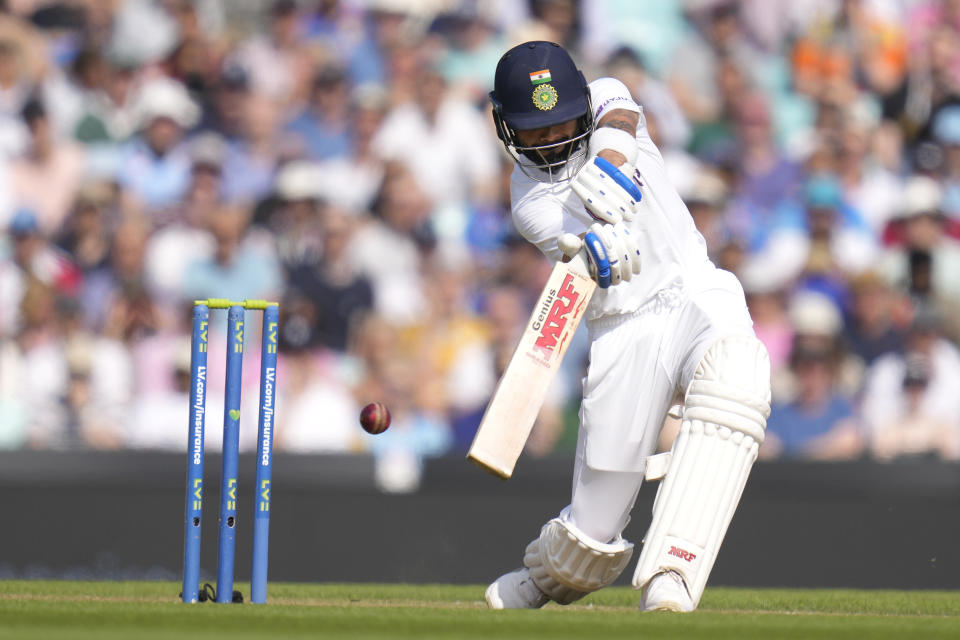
[[551, 321]]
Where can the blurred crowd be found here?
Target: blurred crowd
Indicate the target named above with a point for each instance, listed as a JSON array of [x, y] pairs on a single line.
[[338, 156]]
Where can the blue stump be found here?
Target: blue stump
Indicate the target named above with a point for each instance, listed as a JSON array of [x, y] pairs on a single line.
[[231, 453], [194, 498], [261, 512]]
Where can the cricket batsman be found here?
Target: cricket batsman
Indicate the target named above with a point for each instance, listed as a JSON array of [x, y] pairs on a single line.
[[664, 319]]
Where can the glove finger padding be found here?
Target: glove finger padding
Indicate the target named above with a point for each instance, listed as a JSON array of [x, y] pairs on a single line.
[[632, 252], [610, 245], [626, 177], [598, 260], [603, 197]]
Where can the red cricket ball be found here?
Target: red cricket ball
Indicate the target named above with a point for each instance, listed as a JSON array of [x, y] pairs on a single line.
[[375, 418]]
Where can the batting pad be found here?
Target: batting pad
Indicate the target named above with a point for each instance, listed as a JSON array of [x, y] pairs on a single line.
[[567, 564], [724, 419]]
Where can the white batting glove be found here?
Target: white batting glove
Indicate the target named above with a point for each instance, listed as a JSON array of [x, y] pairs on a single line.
[[612, 252], [621, 249], [570, 245], [609, 193]]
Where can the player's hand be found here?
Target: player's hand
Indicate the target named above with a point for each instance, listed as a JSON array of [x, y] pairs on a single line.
[[612, 252], [609, 193], [621, 250]]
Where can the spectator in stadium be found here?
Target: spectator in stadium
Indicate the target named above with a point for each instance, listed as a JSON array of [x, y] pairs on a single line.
[[155, 165], [19, 60], [249, 159], [339, 296], [449, 172], [821, 238], [926, 264], [315, 384], [86, 232], [714, 36], [910, 402], [39, 364], [931, 82], [706, 199], [46, 177], [34, 257], [626, 65], [239, 268], [107, 88], [352, 180], [819, 422], [156, 416], [348, 29], [321, 127], [125, 269], [764, 177], [391, 248], [101, 381], [184, 237], [454, 342], [474, 47], [13, 405], [868, 185], [817, 323], [771, 322], [224, 108], [877, 318], [946, 133], [293, 217], [276, 60]]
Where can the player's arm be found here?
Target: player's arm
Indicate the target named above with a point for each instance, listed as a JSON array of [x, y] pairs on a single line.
[[616, 120], [608, 184]]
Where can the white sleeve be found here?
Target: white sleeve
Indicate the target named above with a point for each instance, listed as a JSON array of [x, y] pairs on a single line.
[[540, 222], [608, 94], [543, 213]]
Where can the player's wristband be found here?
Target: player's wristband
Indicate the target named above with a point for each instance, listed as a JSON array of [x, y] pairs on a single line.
[[619, 177], [615, 140], [599, 257]]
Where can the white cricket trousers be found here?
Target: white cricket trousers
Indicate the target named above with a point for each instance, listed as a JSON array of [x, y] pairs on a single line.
[[637, 364]]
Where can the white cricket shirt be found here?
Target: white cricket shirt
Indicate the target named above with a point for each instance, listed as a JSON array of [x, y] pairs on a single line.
[[673, 253]]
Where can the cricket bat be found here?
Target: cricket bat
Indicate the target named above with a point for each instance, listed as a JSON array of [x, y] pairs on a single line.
[[516, 401]]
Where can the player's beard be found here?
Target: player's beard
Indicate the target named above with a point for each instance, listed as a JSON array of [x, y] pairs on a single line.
[[550, 161], [559, 153], [555, 156]]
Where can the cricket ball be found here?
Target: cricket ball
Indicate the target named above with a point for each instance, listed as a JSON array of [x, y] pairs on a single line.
[[375, 418]]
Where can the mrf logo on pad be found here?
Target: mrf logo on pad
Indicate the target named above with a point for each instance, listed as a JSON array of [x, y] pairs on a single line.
[[683, 554], [551, 321]]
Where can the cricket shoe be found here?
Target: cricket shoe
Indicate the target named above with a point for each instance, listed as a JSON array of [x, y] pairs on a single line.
[[666, 592], [515, 590]]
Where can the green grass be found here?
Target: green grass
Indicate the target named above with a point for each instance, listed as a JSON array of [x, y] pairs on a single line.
[[149, 610]]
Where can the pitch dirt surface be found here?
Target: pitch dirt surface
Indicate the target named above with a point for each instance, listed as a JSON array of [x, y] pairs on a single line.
[[148, 610]]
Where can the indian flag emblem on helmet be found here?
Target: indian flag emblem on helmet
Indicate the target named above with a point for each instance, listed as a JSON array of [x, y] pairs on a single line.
[[545, 97], [539, 77]]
